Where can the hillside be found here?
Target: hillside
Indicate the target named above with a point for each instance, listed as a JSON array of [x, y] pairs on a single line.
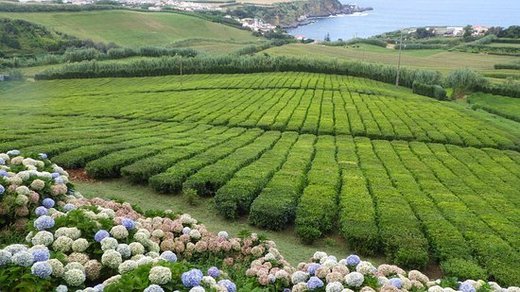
[[327, 154], [131, 28], [19, 37]]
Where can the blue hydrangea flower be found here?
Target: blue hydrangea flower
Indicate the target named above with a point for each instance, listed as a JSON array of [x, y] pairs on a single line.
[[5, 257], [230, 286], [13, 152], [214, 272], [3, 172], [62, 288], [314, 283], [396, 282], [353, 260], [2, 189], [312, 268], [40, 211], [42, 156], [55, 175], [59, 180], [69, 207], [100, 235], [466, 287], [191, 278], [128, 223], [41, 254], [48, 203], [2, 161], [153, 288], [169, 256], [44, 222], [23, 258], [186, 230], [42, 270]]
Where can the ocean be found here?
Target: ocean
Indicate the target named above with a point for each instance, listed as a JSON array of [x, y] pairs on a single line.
[[390, 15]]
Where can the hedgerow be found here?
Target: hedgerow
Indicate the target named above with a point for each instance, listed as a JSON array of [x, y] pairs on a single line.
[[317, 208], [210, 178], [275, 206], [237, 195]]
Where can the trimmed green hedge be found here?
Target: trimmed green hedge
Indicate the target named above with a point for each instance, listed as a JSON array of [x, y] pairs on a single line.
[[435, 91]]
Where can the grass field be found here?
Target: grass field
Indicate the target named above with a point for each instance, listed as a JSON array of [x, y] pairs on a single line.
[[441, 60], [501, 105], [133, 29], [321, 154]]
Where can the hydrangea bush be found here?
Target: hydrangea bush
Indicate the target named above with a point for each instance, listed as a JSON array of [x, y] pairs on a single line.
[[79, 244], [27, 182]]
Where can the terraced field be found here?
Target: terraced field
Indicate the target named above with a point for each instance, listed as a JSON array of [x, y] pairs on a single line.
[[415, 179]]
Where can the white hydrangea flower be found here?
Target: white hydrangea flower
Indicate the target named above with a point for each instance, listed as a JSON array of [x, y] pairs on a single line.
[[74, 266], [319, 255], [127, 266], [144, 260], [74, 277], [209, 281], [80, 245], [62, 244], [124, 250], [42, 238], [354, 279], [334, 287], [57, 268], [111, 259], [366, 268], [108, 243], [160, 275], [299, 277], [136, 248]]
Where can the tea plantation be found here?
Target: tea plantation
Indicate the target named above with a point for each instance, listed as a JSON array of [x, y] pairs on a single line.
[[398, 174]]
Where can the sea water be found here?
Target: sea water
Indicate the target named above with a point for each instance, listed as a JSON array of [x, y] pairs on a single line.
[[390, 15]]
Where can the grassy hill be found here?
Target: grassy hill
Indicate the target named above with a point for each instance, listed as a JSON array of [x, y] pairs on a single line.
[[131, 28], [437, 59], [19, 37]]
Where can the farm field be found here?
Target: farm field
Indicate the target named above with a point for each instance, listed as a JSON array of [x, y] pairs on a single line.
[[140, 28], [440, 60], [507, 107], [397, 174]]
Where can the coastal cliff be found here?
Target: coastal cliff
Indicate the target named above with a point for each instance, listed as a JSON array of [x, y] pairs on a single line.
[[292, 14]]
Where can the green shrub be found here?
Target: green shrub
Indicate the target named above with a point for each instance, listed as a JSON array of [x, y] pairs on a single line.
[[191, 197], [435, 91], [462, 269], [464, 80]]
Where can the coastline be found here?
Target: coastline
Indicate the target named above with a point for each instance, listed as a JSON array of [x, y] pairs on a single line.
[[314, 18]]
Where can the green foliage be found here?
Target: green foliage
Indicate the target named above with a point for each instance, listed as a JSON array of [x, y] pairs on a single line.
[[434, 91], [462, 269], [16, 278], [191, 196], [355, 41], [20, 37], [87, 226], [233, 64], [464, 81]]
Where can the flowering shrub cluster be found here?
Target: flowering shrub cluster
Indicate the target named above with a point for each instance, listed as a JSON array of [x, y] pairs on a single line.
[[79, 244], [25, 182]]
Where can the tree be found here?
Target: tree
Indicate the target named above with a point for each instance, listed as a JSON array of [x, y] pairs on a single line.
[[468, 33], [495, 30], [422, 33], [463, 81], [327, 37]]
